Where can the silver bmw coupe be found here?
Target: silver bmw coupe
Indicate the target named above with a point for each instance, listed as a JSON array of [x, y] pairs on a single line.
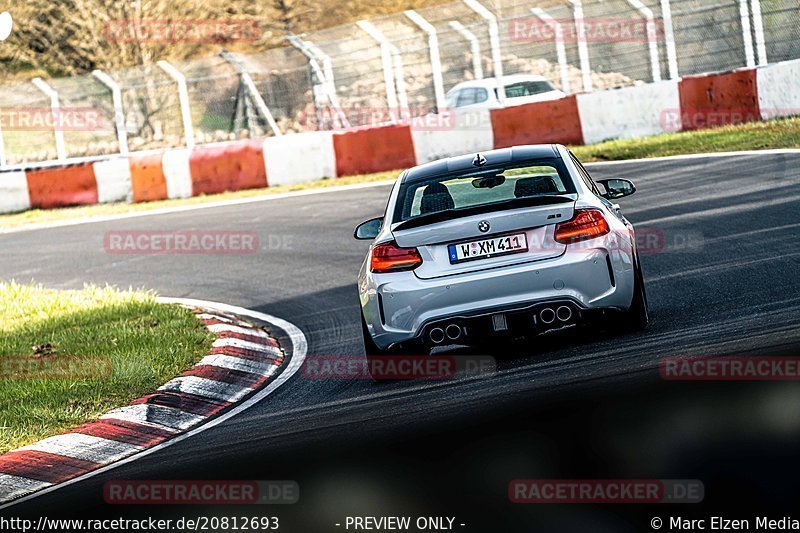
[[503, 244]]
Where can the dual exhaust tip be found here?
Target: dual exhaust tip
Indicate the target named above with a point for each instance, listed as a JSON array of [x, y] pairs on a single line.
[[548, 315], [451, 331]]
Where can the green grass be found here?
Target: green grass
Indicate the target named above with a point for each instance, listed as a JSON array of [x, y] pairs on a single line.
[[146, 344], [783, 133]]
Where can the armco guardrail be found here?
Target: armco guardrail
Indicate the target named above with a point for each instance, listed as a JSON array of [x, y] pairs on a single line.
[[687, 104]]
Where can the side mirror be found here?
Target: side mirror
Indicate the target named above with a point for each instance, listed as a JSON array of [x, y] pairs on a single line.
[[366, 231], [617, 188]]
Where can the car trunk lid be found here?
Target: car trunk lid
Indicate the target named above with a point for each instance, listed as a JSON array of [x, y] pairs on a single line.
[[536, 222]]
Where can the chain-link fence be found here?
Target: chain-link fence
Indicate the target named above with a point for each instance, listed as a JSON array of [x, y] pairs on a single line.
[[389, 68]]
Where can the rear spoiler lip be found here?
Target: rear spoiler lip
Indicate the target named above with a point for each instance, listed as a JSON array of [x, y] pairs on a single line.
[[453, 214]]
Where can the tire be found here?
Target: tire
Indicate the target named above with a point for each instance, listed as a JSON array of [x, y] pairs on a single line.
[[370, 348], [637, 318], [372, 351]]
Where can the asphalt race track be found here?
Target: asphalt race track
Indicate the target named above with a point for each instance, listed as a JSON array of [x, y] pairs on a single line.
[[721, 268]]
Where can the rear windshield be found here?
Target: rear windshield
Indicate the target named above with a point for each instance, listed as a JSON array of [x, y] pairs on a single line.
[[483, 187]]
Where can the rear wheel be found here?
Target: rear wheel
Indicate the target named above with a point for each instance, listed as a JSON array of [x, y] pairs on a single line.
[[370, 348], [637, 318], [374, 353]]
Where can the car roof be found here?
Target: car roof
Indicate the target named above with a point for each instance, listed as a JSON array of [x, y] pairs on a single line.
[[492, 82], [493, 158]]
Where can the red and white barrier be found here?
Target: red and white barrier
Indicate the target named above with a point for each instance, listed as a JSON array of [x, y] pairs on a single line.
[[14, 192], [629, 112], [148, 182], [299, 158], [458, 133], [229, 166], [689, 104], [62, 186], [113, 180], [719, 99], [778, 93], [368, 150], [178, 174], [556, 121]]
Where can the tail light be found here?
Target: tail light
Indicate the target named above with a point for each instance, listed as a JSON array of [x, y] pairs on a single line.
[[586, 224], [389, 257]]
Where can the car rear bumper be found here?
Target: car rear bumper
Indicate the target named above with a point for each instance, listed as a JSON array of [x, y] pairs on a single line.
[[400, 307]]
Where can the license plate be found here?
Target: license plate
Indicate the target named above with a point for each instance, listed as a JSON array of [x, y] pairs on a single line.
[[486, 248]]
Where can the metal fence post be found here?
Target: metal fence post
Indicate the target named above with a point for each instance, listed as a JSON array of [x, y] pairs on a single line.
[[400, 81], [494, 41], [119, 113], [744, 15], [474, 46], [319, 80], [758, 27], [323, 75], [183, 97], [398, 99], [327, 69], [327, 65], [583, 48], [436, 60], [247, 80], [669, 38], [561, 49], [51, 93], [388, 73], [652, 37], [6, 25]]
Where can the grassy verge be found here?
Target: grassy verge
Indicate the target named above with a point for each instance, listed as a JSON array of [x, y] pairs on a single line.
[[773, 134], [784, 133], [67, 357]]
